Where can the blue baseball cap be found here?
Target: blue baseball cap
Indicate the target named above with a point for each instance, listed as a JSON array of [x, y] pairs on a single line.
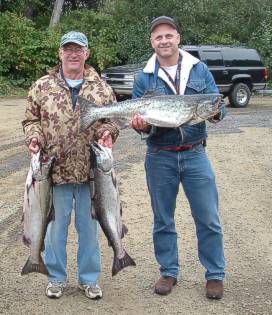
[[74, 37]]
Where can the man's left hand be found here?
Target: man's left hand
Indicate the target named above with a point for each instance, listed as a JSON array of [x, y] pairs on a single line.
[[106, 139]]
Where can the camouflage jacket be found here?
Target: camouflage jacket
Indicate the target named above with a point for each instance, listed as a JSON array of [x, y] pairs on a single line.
[[51, 119]]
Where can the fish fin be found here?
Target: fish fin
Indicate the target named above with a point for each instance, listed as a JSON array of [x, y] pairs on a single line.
[[84, 103], [51, 214], [121, 263], [121, 123], [94, 214], [26, 241], [121, 208], [50, 217], [30, 267], [152, 93], [113, 178], [124, 230]]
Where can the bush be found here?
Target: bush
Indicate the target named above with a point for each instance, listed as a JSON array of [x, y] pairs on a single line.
[[25, 52], [262, 40]]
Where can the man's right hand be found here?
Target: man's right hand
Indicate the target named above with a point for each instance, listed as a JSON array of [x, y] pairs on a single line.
[[34, 146], [138, 122]]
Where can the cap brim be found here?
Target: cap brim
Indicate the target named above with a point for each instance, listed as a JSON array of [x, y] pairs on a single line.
[[163, 22], [72, 41]]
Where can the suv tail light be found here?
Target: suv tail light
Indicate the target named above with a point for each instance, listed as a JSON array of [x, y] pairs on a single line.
[[266, 73]]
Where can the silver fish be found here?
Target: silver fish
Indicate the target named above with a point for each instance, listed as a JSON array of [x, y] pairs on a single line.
[[37, 210], [159, 110], [107, 206]]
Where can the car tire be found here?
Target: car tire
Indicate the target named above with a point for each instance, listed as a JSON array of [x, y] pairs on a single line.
[[239, 95]]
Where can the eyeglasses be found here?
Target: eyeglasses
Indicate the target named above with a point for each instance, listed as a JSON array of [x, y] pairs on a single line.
[[77, 51]]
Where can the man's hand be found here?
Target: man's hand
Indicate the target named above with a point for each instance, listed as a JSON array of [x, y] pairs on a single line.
[[106, 139], [34, 146], [138, 122]]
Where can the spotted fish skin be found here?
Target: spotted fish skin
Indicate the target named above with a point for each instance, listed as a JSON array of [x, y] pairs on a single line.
[[160, 110], [107, 206], [37, 211]]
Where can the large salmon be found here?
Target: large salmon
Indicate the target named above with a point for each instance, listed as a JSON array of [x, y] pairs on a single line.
[[107, 206], [159, 110], [37, 211]]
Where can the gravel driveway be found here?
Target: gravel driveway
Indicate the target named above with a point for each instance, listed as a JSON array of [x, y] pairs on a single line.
[[240, 150]]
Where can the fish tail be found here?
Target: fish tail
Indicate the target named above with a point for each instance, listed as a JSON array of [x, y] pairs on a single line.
[[32, 267], [121, 263], [85, 122], [86, 118]]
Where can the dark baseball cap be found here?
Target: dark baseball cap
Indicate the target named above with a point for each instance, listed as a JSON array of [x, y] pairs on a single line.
[[163, 20]]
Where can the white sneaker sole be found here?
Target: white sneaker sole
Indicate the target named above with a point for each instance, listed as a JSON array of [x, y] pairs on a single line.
[[90, 295], [53, 295]]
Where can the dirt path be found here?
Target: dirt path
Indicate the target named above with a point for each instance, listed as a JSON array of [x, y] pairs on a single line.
[[240, 149]]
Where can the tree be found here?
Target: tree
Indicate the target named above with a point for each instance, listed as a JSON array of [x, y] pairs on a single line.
[[55, 17]]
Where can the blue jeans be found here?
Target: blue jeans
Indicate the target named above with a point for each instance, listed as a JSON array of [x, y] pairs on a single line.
[[165, 170], [65, 198]]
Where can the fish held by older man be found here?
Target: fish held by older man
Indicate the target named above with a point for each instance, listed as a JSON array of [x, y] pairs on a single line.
[[159, 110], [37, 211], [107, 206]]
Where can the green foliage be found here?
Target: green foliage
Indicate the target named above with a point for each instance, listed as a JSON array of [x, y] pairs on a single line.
[[39, 11], [119, 32], [201, 22], [25, 52], [10, 88], [261, 39]]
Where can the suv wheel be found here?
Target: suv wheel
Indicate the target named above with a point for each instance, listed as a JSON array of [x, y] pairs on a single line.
[[240, 95]]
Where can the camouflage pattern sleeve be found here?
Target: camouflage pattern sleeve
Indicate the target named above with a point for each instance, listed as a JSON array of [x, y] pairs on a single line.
[[32, 122], [103, 125]]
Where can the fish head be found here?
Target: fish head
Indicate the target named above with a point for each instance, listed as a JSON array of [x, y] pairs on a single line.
[[209, 105], [102, 157], [41, 165], [36, 162], [217, 100]]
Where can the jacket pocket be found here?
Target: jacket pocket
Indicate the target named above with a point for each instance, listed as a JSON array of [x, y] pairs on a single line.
[[195, 86]]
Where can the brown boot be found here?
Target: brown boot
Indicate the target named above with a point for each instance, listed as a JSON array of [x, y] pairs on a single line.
[[214, 289], [164, 285]]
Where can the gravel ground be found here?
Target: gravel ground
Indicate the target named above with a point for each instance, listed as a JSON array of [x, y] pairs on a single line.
[[240, 150]]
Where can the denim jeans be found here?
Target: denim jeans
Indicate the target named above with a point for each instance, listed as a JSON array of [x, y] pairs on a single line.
[[165, 170], [65, 198]]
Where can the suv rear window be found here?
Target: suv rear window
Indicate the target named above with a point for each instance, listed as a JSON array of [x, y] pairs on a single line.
[[241, 57], [213, 58]]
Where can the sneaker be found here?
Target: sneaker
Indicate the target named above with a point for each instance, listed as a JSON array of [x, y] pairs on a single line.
[[54, 290], [92, 291]]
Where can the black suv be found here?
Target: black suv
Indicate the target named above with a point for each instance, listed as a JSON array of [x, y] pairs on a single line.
[[237, 72]]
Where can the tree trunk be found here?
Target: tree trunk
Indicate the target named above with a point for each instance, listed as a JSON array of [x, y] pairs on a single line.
[[29, 10], [55, 17]]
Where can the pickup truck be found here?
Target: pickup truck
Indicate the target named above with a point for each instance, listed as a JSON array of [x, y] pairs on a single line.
[[237, 71]]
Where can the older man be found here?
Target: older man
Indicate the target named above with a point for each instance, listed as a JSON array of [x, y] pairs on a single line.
[[52, 124]]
